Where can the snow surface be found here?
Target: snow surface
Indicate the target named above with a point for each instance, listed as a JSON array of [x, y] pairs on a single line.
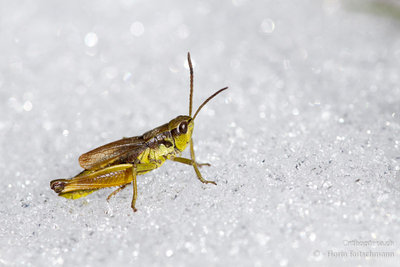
[[304, 145]]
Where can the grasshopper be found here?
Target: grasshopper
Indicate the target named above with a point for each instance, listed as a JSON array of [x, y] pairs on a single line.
[[117, 164]]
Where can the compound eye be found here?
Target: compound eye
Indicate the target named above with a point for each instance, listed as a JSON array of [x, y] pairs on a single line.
[[183, 127]]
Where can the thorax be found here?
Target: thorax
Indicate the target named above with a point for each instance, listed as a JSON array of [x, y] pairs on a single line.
[[160, 147]]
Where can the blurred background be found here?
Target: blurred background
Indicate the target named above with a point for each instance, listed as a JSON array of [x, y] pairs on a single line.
[[304, 145]]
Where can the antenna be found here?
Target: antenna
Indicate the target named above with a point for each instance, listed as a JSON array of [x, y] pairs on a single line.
[[208, 99], [191, 84]]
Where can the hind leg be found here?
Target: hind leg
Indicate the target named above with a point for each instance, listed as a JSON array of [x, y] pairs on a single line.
[[116, 191]]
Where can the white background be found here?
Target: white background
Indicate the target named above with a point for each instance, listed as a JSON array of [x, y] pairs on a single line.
[[304, 145]]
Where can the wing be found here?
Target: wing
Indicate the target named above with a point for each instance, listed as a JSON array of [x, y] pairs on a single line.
[[121, 151]]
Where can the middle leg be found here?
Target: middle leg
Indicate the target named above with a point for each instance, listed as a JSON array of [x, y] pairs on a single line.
[[139, 168]]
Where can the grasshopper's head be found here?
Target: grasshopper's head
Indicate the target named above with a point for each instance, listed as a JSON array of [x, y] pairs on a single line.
[[181, 127]]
